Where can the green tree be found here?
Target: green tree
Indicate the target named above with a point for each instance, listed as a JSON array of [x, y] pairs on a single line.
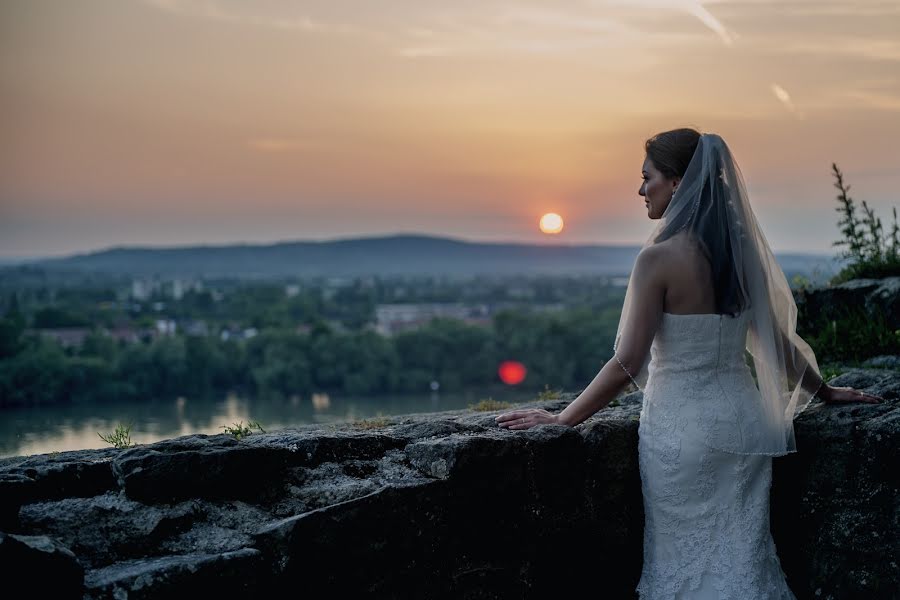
[[51, 317], [206, 363], [12, 325], [36, 375], [279, 363], [100, 345], [446, 350]]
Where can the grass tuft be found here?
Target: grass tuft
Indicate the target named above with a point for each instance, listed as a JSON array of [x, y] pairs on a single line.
[[120, 438]]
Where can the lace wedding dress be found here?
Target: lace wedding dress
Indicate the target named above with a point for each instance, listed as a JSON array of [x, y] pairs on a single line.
[[706, 533]]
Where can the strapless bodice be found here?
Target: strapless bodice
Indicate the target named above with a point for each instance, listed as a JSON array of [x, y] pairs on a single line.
[[699, 341], [698, 379]]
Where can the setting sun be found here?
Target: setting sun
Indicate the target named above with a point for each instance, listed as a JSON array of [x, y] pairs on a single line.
[[551, 223]]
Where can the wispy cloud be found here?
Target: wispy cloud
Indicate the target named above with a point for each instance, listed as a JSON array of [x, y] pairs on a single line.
[[565, 28], [490, 27], [692, 7], [210, 9], [785, 98]]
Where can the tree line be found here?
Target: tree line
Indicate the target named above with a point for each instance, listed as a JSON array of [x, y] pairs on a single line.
[[563, 349]]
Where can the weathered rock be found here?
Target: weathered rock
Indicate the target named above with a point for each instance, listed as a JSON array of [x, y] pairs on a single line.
[[53, 570], [835, 503], [179, 576], [883, 362], [81, 474], [879, 298], [443, 505]]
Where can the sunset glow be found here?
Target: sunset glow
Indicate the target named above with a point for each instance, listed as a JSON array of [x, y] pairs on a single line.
[[166, 122]]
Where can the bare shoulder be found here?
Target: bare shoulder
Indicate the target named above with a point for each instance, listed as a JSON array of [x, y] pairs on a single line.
[[651, 262], [665, 260], [656, 256]]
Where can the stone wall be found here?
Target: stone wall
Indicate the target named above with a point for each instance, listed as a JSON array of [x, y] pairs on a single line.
[[441, 505], [878, 298]]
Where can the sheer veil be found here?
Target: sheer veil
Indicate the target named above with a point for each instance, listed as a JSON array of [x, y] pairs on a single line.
[[711, 205]]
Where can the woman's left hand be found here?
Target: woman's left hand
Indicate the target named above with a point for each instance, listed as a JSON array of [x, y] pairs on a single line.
[[525, 418], [841, 395]]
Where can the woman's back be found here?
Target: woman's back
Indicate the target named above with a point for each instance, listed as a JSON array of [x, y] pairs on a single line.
[[689, 282]]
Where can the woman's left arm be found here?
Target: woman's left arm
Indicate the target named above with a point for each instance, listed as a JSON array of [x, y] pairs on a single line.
[[648, 292]]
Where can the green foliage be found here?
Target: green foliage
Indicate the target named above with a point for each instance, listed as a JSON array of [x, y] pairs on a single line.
[[54, 316], [120, 438], [451, 352], [800, 283], [871, 254], [852, 338], [12, 326], [99, 345], [559, 349], [373, 423], [548, 394], [489, 404], [11, 330], [240, 431], [829, 372], [36, 375]]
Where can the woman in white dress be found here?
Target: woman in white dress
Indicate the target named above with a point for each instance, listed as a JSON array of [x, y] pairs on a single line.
[[705, 294]]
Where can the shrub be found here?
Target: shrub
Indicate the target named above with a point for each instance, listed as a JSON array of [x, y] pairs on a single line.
[[854, 337], [870, 253]]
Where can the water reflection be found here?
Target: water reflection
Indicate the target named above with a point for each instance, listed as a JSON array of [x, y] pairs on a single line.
[[76, 426], [321, 402]]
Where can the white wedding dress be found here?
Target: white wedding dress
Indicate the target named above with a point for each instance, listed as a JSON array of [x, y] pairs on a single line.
[[706, 533]]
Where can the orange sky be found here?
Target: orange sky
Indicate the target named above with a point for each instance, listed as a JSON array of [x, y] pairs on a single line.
[[166, 122]]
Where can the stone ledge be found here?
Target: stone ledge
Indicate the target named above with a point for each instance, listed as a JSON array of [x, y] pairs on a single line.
[[444, 505]]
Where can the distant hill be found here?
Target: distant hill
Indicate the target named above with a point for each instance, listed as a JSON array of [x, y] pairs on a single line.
[[389, 255]]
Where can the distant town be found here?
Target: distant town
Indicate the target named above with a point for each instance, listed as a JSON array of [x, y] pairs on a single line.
[[155, 298]]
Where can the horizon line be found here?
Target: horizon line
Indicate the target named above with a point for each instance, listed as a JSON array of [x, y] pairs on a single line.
[[14, 258]]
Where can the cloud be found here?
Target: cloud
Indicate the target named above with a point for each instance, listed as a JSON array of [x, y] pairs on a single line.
[[697, 9], [785, 99], [429, 29], [692, 7], [211, 9], [527, 29]]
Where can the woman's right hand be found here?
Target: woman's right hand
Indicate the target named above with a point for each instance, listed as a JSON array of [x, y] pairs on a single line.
[[843, 395]]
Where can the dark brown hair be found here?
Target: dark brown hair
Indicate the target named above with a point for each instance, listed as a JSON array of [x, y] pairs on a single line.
[[671, 151]]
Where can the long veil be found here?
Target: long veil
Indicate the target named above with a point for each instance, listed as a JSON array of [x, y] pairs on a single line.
[[711, 205]]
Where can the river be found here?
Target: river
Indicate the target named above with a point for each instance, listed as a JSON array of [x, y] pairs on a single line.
[[43, 429]]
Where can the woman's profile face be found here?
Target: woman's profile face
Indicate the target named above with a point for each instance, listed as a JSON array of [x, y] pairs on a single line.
[[657, 189]]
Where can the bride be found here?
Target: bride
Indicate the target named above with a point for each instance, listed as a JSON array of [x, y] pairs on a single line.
[[708, 332]]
